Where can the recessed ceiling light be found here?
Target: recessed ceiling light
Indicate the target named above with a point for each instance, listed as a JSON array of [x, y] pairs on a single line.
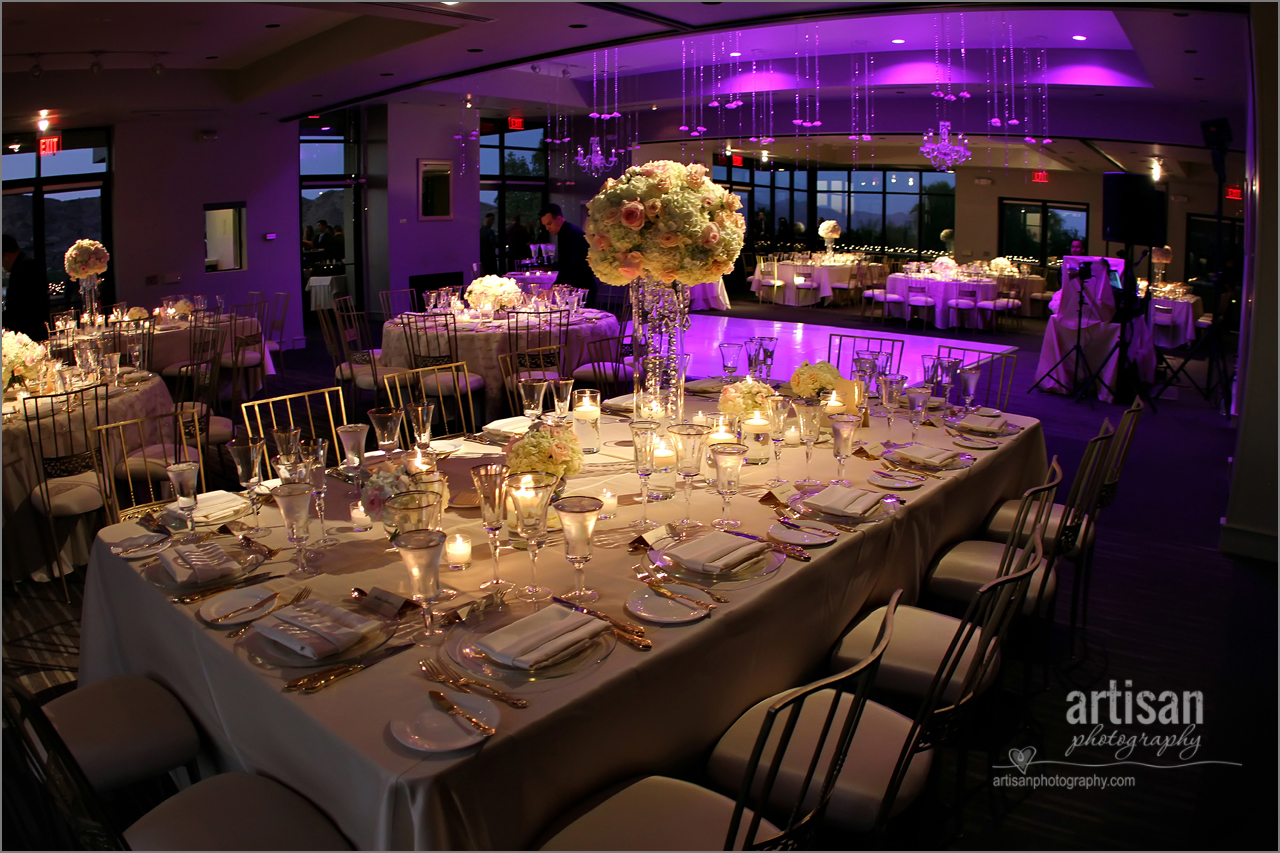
[[735, 53], [1204, 100], [1080, 38], [475, 50], [577, 26], [43, 124], [326, 127], [43, 113], [386, 74], [272, 26], [899, 41]]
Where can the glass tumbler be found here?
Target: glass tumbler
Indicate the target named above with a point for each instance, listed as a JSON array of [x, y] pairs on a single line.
[[386, 427], [353, 438], [183, 475], [586, 419], [532, 394], [420, 550]]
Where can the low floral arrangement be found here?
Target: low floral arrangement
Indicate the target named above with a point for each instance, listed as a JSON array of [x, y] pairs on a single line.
[[829, 230], [944, 266], [388, 482], [137, 312], [20, 355], [1001, 266], [809, 380], [183, 306], [664, 220], [745, 396], [494, 292], [545, 447], [86, 258]]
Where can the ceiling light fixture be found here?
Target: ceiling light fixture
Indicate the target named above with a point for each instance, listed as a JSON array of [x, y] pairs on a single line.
[[15, 147], [899, 41], [387, 74], [735, 53], [577, 26], [475, 50], [43, 124], [944, 153], [1080, 38], [1157, 170], [326, 127], [211, 57], [44, 113]]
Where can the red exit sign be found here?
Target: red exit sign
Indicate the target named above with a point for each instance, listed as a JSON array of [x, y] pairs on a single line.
[[50, 145], [1040, 178], [515, 122], [1234, 193], [737, 159]]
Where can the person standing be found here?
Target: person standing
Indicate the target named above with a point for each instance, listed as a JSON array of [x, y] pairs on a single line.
[[517, 241], [26, 306], [488, 246], [571, 252]]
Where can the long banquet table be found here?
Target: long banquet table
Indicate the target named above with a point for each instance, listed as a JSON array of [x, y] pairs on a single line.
[[634, 713], [941, 291]]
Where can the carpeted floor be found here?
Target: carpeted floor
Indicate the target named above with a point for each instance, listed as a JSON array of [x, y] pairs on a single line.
[[1168, 612]]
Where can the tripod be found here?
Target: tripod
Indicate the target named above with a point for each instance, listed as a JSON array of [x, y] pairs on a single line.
[[1218, 374], [1078, 389]]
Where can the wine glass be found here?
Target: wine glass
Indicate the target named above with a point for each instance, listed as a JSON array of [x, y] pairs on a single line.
[[763, 370], [353, 438], [844, 428], [969, 377], [295, 470], [810, 413], [246, 453], [111, 366], [917, 401], [578, 518], [421, 551], [530, 496], [728, 459], [532, 392], [490, 484], [561, 389], [182, 475], [420, 419], [644, 438], [315, 452], [294, 501], [779, 408], [287, 439], [386, 426], [947, 369], [690, 445], [729, 354]]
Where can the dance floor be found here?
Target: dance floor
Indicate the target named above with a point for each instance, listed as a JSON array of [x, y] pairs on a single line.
[[798, 342]]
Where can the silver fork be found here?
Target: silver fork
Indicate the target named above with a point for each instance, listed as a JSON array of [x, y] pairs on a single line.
[[442, 674], [301, 595], [655, 571]]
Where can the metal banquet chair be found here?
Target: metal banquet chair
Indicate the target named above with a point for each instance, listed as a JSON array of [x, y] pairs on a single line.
[[398, 302], [248, 332], [843, 349], [310, 411], [134, 455], [361, 361], [996, 383], [541, 363], [441, 384], [607, 368]]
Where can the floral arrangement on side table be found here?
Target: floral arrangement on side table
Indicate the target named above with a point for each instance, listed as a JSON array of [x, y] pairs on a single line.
[[20, 355], [809, 380], [664, 220], [494, 293], [86, 258], [829, 230], [183, 306], [745, 396], [545, 447], [1001, 266], [944, 266]]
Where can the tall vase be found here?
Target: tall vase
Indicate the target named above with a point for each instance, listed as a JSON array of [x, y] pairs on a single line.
[[89, 296], [831, 244], [660, 315]]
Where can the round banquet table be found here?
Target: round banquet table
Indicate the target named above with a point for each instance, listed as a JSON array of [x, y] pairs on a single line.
[[24, 547], [709, 296], [532, 277], [480, 346], [942, 291], [1024, 286], [172, 344]]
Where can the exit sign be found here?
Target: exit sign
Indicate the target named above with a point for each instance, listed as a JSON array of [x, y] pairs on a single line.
[[50, 145], [515, 122], [1234, 193], [1040, 178]]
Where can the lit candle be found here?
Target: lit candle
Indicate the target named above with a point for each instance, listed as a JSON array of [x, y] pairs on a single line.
[[610, 501], [523, 498], [663, 456], [359, 518], [791, 436], [457, 551], [833, 404], [587, 413], [721, 437], [757, 423], [699, 418]]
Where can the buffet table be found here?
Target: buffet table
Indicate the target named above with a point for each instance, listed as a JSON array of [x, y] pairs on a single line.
[[323, 288], [632, 713], [942, 291]]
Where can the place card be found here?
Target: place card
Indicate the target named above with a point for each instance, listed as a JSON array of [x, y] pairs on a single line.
[[778, 494], [862, 452], [649, 539], [384, 602]]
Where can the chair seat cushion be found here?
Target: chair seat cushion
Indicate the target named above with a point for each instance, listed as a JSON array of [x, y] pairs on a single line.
[[962, 304], [599, 371], [177, 369], [221, 430], [273, 346], [884, 296], [920, 301], [999, 304], [235, 811], [150, 462], [363, 374], [124, 729], [1000, 523], [966, 567], [1204, 321], [1043, 296], [657, 813], [74, 495], [862, 783], [442, 384], [248, 358], [919, 644]]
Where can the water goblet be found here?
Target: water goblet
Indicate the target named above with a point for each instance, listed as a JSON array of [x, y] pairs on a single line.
[[753, 348], [729, 354], [315, 452], [968, 377], [779, 409], [111, 366], [182, 475], [353, 438], [246, 453], [728, 459], [135, 355], [530, 496], [586, 419], [690, 446], [764, 359], [931, 372], [810, 413], [532, 392], [419, 509], [491, 486], [644, 438], [947, 370], [420, 419], [844, 428], [917, 401], [294, 501], [420, 550], [386, 426], [578, 518], [294, 470], [561, 389], [287, 439]]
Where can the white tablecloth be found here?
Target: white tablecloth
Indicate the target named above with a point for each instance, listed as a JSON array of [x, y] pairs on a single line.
[[533, 277], [1177, 326], [323, 288], [1024, 286], [709, 296], [635, 713], [942, 291]]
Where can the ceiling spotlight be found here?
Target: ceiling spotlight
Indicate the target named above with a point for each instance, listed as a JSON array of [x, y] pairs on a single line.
[[1080, 38], [36, 70], [44, 113], [735, 53], [15, 147], [95, 67], [43, 124], [1156, 168], [899, 41]]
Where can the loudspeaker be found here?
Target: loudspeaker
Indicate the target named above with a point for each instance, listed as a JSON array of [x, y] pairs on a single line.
[[1133, 210]]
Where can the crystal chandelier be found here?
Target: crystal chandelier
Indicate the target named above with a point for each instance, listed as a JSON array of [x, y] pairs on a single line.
[[943, 153], [595, 164]]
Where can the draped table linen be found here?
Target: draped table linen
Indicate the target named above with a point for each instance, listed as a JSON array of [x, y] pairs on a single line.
[[942, 291], [709, 296], [323, 288]]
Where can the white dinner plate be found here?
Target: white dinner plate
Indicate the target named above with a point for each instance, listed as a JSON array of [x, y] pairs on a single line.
[[766, 564], [234, 599], [434, 730], [964, 460], [988, 412], [460, 645], [885, 481], [161, 542], [887, 506], [157, 575], [649, 605], [1007, 429], [975, 443], [171, 514], [266, 652], [444, 447], [819, 533]]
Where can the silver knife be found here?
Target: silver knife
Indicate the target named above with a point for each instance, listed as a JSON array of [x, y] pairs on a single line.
[[847, 528], [795, 525], [194, 597], [795, 552], [314, 681], [628, 627]]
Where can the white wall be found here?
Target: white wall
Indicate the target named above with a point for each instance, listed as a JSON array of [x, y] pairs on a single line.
[[164, 176]]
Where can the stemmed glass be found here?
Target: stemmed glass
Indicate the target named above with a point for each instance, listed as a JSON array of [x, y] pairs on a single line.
[[287, 442], [969, 377], [530, 496], [810, 413], [294, 501], [421, 551], [947, 369], [644, 438], [490, 484], [561, 389], [386, 426], [765, 348], [294, 470], [728, 459], [246, 453], [918, 401], [729, 354], [779, 408], [420, 419], [183, 477], [111, 366], [353, 438], [578, 518], [532, 393], [690, 441], [315, 452], [844, 427]]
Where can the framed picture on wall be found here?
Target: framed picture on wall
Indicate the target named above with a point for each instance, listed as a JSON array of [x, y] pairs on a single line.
[[435, 189]]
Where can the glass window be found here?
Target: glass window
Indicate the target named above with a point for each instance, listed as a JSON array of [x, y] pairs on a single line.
[[719, 174], [763, 201], [518, 162], [15, 167], [224, 237], [322, 158], [69, 216], [834, 206], [939, 182], [782, 178], [17, 215], [1064, 225], [782, 204], [1039, 230], [801, 180], [900, 228], [491, 139], [800, 202], [490, 164], [524, 138], [902, 182], [834, 181], [74, 161], [866, 219], [939, 215], [764, 178], [742, 177], [1020, 229], [868, 180]]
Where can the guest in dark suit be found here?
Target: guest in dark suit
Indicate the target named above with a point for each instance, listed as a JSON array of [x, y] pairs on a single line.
[[26, 307], [571, 252], [488, 246]]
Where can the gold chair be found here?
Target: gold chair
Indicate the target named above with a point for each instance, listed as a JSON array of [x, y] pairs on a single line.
[[996, 383], [397, 302], [275, 328], [607, 368], [530, 330], [439, 384], [537, 363], [303, 410], [361, 360], [133, 457], [843, 349], [248, 355]]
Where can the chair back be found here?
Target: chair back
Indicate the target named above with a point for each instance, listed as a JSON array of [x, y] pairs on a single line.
[[1081, 504], [844, 696], [199, 380], [607, 357], [397, 302], [528, 330], [139, 333], [1161, 315], [439, 384], [996, 383], [329, 328], [133, 455], [311, 411], [353, 331], [279, 313], [534, 363], [431, 339], [249, 331], [1119, 453], [842, 349], [1034, 509], [59, 430], [839, 276], [617, 301], [32, 743]]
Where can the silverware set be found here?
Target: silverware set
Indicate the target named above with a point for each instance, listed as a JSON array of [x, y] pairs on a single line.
[[196, 597], [317, 681], [301, 595], [442, 673]]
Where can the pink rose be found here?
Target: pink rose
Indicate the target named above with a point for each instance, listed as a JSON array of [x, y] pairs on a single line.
[[668, 239], [732, 201], [560, 451], [709, 200], [633, 215], [710, 235], [653, 208], [669, 274], [612, 215], [697, 174], [603, 242], [630, 264]]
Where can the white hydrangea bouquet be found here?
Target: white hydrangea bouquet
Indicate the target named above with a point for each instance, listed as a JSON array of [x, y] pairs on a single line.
[[1000, 266], [944, 266], [545, 447], [809, 380], [829, 230], [183, 306], [664, 220], [86, 258], [494, 292], [19, 355], [137, 312], [745, 397]]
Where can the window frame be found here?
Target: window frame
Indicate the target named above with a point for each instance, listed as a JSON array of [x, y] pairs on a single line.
[[1044, 204]]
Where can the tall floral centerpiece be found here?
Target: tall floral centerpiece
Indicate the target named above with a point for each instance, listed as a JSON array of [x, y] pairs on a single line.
[[660, 228], [944, 267], [830, 232], [84, 262]]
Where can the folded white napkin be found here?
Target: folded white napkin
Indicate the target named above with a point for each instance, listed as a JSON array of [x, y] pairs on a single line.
[[716, 552], [841, 500], [625, 403], [212, 506], [922, 455], [315, 629], [703, 386], [978, 423], [547, 637], [518, 425], [198, 563]]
